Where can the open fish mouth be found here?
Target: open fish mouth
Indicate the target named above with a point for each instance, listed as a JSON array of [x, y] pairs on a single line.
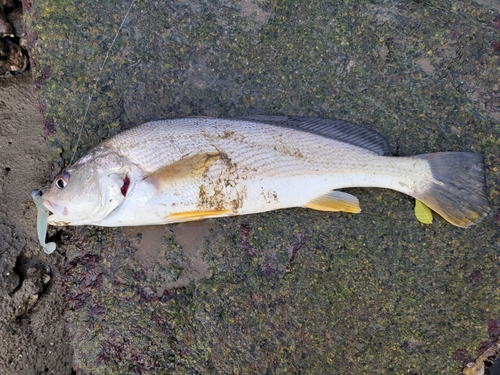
[[55, 208]]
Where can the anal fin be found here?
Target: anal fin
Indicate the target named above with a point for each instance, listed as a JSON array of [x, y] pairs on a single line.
[[195, 215], [335, 201]]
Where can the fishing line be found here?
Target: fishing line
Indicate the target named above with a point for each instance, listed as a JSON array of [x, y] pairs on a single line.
[[96, 81]]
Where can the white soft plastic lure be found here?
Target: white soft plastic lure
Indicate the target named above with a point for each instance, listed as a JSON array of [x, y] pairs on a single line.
[[43, 215], [195, 168]]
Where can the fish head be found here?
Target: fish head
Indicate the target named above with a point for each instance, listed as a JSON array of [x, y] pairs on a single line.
[[88, 191]]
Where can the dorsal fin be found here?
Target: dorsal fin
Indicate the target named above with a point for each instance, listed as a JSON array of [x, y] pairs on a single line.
[[340, 130]]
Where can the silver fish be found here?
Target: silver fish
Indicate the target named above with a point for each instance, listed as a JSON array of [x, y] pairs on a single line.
[[195, 168]]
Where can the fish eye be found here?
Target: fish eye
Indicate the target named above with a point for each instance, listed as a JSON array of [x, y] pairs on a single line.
[[62, 180], [60, 183]]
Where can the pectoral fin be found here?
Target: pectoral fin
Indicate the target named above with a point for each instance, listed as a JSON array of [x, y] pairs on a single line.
[[187, 167], [335, 201], [195, 215]]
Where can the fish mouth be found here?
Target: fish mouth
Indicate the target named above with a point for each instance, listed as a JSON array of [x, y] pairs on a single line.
[[55, 208]]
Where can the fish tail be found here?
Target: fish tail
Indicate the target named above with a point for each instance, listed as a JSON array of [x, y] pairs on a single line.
[[458, 192]]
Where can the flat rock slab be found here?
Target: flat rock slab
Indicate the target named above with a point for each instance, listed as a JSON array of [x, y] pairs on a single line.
[[294, 291]]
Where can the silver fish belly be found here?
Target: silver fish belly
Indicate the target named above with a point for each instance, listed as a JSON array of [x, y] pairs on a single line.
[[194, 168]]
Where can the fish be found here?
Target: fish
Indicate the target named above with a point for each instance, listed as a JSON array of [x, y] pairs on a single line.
[[194, 168]]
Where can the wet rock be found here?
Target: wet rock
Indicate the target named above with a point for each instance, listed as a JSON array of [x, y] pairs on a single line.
[[6, 28], [13, 44], [12, 58], [8, 4], [15, 18]]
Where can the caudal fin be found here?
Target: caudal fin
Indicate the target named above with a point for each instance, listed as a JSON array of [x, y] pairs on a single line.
[[458, 193]]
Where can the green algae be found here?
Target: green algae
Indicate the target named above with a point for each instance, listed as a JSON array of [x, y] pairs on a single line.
[[370, 293]]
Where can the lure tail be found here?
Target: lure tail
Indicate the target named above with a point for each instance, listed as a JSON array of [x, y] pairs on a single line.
[[458, 192]]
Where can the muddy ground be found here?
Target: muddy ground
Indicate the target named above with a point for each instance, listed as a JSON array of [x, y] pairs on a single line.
[[32, 335]]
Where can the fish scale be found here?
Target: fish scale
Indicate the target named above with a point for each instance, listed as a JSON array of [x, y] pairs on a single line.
[[256, 151]]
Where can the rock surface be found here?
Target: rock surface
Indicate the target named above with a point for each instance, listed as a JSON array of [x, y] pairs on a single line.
[[296, 290]]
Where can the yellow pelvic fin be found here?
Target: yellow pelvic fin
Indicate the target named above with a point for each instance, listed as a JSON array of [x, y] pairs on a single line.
[[335, 201], [190, 166], [195, 215]]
